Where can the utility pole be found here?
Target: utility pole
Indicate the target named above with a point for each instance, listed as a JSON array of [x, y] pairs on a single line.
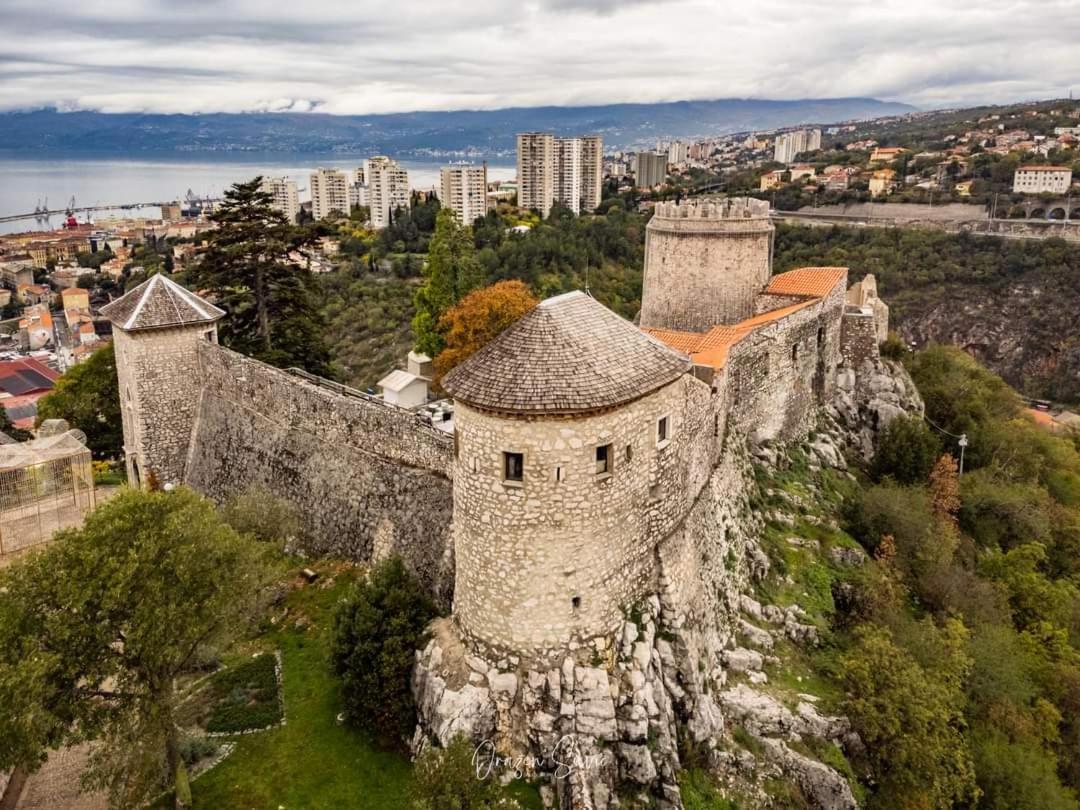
[[963, 443]]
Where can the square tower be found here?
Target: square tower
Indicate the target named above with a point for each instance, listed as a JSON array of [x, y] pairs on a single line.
[[156, 331]]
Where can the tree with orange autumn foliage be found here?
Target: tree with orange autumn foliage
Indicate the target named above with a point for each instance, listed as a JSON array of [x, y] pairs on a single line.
[[945, 490], [478, 318]]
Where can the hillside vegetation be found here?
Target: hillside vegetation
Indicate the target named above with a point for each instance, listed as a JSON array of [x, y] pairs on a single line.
[[951, 641], [1010, 303]]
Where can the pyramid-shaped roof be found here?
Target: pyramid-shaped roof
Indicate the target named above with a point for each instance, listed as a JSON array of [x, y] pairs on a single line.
[[568, 355], [159, 302]]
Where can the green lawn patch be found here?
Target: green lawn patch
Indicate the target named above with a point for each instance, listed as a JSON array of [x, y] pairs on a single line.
[[312, 762], [240, 698]]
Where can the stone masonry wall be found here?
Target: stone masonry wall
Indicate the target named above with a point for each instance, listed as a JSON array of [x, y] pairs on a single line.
[[860, 337], [621, 700], [158, 370], [780, 373], [704, 269], [554, 560], [368, 479]]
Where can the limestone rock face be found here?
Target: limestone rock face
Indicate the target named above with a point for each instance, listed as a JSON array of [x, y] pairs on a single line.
[[827, 789], [868, 398], [602, 722]]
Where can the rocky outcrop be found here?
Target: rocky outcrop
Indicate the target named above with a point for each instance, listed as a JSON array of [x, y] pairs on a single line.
[[604, 723], [1024, 331], [867, 399]]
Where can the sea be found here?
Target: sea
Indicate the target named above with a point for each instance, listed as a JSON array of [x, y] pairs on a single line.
[[27, 183]]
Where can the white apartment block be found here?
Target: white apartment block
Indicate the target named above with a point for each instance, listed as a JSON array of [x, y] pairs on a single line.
[[568, 173], [329, 192], [1042, 180], [359, 194], [650, 169], [592, 172], [536, 171], [678, 152], [388, 189], [790, 144], [283, 192], [463, 189]]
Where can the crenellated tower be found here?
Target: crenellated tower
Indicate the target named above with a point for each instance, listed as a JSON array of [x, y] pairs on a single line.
[[705, 262]]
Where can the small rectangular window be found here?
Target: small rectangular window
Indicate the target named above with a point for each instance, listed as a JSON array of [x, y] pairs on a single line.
[[663, 429], [603, 459], [513, 466]]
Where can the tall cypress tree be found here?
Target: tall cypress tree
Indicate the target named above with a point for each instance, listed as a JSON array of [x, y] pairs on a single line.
[[452, 272], [268, 295]]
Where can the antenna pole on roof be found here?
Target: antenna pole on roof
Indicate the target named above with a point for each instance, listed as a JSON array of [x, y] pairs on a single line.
[[587, 280]]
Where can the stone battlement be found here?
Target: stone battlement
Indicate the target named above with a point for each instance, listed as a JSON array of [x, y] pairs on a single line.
[[733, 213]]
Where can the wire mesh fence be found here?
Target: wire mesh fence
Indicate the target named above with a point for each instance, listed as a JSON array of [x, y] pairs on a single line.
[[45, 485]]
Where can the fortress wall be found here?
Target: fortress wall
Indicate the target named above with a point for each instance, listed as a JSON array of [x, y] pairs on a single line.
[[775, 391], [703, 564], [368, 479], [526, 552], [860, 336], [767, 302]]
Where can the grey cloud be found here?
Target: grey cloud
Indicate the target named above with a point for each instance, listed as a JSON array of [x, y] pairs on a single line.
[[231, 55]]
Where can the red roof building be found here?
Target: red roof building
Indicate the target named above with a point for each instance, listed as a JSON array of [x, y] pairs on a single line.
[[22, 383]]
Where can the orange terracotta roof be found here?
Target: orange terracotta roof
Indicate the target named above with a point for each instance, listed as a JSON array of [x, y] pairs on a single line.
[[712, 348], [809, 281], [679, 341]]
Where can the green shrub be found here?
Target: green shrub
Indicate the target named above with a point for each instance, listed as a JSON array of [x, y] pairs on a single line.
[[238, 699], [907, 451], [447, 779], [376, 632], [195, 749], [893, 347]]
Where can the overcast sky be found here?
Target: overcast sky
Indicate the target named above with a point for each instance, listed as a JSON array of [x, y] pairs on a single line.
[[364, 56]]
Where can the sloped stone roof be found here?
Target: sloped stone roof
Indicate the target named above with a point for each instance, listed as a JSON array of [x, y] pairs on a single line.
[[159, 302], [568, 355]]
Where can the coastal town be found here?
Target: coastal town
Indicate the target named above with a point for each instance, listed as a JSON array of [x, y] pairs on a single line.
[[716, 472]]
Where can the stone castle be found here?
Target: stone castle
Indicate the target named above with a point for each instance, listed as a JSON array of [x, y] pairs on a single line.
[[596, 471]]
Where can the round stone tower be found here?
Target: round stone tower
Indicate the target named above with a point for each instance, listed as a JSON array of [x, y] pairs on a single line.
[[705, 261], [565, 426]]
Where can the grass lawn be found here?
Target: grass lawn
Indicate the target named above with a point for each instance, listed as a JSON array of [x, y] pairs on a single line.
[[311, 762]]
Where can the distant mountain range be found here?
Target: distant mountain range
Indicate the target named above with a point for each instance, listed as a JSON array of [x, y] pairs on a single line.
[[417, 135]]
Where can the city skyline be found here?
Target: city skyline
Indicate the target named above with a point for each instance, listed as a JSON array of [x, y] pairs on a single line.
[[233, 55]]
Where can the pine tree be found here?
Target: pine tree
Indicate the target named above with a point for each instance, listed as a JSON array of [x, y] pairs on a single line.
[[269, 297], [451, 273]]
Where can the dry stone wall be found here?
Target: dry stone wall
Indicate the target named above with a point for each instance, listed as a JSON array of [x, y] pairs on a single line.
[[368, 479], [860, 337]]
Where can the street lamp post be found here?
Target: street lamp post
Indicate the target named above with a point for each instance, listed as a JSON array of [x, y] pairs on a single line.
[[963, 443]]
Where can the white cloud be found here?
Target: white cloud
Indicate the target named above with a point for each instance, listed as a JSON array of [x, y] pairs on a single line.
[[367, 56]]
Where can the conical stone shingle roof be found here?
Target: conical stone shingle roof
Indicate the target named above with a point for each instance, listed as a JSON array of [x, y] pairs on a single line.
[[159, 302], [569, 355]]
